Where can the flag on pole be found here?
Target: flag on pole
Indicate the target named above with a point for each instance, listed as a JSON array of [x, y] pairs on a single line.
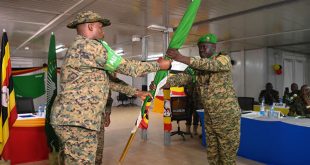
[[8, 109], [52, 139], [176, 42], [160, 79]]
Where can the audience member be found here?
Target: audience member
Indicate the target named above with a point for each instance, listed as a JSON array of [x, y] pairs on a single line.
[[301, 104], [269, 95]]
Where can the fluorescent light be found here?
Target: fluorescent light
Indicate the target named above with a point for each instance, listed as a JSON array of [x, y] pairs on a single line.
[[160, 28], [60, 46], [155, 55], [136, 38], [120, 51], [152, 59], [61, 49]]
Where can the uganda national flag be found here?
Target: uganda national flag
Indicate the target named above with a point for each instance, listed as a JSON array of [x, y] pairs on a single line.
[[8, 108]]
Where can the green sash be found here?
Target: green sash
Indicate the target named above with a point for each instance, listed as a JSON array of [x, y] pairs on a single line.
[[113, 60]]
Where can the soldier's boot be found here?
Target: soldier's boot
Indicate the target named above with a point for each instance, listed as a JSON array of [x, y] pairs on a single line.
[[188, 128], [195, 129]]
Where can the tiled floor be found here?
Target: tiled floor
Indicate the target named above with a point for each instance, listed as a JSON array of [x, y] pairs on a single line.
[[152, 151]]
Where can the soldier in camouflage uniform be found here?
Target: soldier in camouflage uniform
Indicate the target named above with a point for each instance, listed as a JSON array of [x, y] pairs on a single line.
[[77, 111], [222, 112], [106, 118], [301, 103]]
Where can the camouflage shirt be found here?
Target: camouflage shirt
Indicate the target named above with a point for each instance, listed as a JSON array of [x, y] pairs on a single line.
[[215, 86], [84, 85], [299, 108]]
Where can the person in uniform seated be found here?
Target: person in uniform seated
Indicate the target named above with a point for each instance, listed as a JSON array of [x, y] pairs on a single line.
[[301, 104], [269, 94]]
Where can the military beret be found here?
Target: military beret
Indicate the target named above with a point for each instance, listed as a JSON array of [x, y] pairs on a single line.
[[87, 17], [208, 38]]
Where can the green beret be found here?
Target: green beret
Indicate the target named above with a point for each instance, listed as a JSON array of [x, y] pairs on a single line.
[[88, 17], [208, 38]]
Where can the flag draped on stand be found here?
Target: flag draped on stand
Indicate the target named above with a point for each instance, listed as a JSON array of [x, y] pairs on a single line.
[[52, 139], [160, 79], [8, 109]]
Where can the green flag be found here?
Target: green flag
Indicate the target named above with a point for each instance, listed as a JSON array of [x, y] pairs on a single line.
[[51, 93], [176, 42]]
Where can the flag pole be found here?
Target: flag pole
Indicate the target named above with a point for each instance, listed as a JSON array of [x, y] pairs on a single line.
[[176, 42]]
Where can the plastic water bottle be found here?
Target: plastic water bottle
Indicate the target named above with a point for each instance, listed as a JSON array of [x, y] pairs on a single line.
[[281, 101], [40, 110], [271, 115], [262, 108], [44, 111]]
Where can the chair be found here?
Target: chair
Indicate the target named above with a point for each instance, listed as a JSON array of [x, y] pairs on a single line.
[[246, 103], [122, 97], [179, 112], [24, 105]]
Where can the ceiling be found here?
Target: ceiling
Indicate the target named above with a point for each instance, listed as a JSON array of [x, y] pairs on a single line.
[[239, 24]]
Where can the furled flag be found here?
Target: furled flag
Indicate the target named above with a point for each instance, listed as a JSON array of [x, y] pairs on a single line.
[[52, 139], [176, 42], [8, 109], [160, 79]]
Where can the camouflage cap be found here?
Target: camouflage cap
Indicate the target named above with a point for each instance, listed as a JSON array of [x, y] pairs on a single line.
[[209, 38], [87, 17]]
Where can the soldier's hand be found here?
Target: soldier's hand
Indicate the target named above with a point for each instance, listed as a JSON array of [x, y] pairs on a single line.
[[166, 86], [164, 64], [173, 53], [107, 120], [142, 95], [152, 86]]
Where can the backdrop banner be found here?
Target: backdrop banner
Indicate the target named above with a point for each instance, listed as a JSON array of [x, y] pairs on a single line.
[[29, 86]]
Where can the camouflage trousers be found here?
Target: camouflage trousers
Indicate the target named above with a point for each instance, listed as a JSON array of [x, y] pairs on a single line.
[[78, 145], [222, 140], [99, 152]]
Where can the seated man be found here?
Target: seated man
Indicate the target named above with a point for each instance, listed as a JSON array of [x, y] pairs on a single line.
[[301, 104], [269, 95], [294, 90]]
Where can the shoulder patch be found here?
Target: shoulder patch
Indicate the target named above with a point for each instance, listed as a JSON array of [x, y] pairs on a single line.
[[223, 59]]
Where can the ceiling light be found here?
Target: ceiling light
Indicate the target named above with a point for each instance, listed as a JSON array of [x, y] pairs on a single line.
[[136, 38], [160, 28], [61, 49], [27, 48], [120, 51], [155, 55], [60, 46]]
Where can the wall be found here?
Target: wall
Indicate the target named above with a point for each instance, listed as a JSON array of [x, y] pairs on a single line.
[[254, 68]]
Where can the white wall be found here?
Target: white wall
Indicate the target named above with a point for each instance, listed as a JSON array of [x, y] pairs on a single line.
[[255, 72], [254, 68], [238, 72]]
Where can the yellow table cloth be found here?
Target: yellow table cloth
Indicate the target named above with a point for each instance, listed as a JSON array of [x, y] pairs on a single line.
[[283, 110]]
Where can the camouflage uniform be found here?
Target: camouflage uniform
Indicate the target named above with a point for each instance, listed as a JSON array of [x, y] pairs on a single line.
[[84, 92], [222, 112], [299, 108], [108, 108]]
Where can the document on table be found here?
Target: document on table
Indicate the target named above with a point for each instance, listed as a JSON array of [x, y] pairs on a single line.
[[28, 116]]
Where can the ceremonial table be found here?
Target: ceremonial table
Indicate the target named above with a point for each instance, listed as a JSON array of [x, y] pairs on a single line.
[[27, 142], [284, 110], [282, 141]]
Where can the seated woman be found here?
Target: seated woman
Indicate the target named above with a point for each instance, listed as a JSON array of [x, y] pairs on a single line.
[[301, 105]]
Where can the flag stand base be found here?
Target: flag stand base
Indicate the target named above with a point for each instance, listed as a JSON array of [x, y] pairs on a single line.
[[143, 134], [167, 138]]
